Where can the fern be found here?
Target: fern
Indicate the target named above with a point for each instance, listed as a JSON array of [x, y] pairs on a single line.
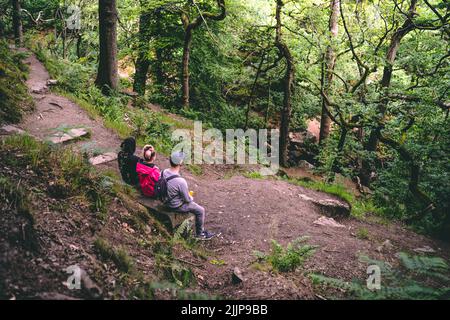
[[418, 277], [182, 230], [289, 258]]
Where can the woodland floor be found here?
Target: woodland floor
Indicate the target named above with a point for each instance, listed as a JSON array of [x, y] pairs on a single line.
[[247, 212]]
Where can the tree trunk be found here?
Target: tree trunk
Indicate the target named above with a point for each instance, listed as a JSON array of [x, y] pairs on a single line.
[[17, 22], [107, 75], [80, 52], [143, 60], [288, 86], [252, 93], [330, 61], [385, 83], [189, 27], [185, 67]]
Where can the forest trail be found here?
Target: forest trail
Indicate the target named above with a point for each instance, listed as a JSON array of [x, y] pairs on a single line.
[[247, 212]]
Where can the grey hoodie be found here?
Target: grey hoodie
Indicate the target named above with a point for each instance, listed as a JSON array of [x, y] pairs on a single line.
[[177, 190]]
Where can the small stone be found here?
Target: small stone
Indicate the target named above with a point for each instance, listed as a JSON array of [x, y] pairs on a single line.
[[324, 221], [237, 276], [425, 249]]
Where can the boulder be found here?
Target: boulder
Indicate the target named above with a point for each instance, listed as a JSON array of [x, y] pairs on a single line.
[[103, 158], [167, 217], [330, 207], [72, 134], [11, 129]]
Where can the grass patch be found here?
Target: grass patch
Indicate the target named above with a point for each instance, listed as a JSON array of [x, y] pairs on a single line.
[[359, 206], [363, 234], [253, 175], [69, 174], [15, 210]]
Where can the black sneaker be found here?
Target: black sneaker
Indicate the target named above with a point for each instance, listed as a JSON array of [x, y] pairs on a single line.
[[205, 235]]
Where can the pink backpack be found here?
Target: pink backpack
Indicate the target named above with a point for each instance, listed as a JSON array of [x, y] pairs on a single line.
[[148, 176]]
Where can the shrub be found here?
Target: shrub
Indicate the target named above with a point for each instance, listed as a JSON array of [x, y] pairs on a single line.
[[289, 258]]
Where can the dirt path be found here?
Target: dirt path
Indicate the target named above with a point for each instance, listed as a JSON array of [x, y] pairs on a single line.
[[55, 114], [247, 212]]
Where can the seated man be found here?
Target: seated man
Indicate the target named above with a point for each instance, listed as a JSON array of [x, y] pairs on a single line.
[[128, 161], [179, 198], [148, 172]]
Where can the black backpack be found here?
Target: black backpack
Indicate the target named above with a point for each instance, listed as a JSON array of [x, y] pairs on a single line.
[[161, 187]]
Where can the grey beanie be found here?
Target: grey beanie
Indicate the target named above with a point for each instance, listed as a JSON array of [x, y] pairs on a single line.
[[177, 157]]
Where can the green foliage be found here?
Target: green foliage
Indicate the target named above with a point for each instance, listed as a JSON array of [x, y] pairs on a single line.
[[226, 56], [254, 175], [417, 277], [69, 171], [289, 258], [14, 98]]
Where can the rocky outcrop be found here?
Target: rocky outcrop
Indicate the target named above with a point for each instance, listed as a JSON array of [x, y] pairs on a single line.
[[302, 148], [330, 207]]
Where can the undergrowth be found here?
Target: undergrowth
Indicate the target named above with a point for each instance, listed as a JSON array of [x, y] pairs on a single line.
[[14, 97], [417, 277]]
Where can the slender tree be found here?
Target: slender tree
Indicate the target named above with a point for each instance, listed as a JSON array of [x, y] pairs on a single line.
[[143, 59], [330, 60], [286, 111], [17, 22], [107, 75], [189, 26]]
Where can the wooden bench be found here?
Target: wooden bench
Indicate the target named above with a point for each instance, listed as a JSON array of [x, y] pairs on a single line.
[[168, 218]]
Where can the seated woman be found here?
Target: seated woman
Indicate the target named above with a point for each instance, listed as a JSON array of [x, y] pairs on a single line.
[[148, 173], [128, 161]]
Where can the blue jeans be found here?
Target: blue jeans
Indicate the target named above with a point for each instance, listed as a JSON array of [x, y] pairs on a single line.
[[198, 211]]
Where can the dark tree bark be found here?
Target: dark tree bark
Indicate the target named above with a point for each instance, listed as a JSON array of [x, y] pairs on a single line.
[[391, 55], [107, 75], [288, 85], [189, 27], [385, 83], [143, 59], [252, 93], [330, 61], [17, 22], [80, 52]]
